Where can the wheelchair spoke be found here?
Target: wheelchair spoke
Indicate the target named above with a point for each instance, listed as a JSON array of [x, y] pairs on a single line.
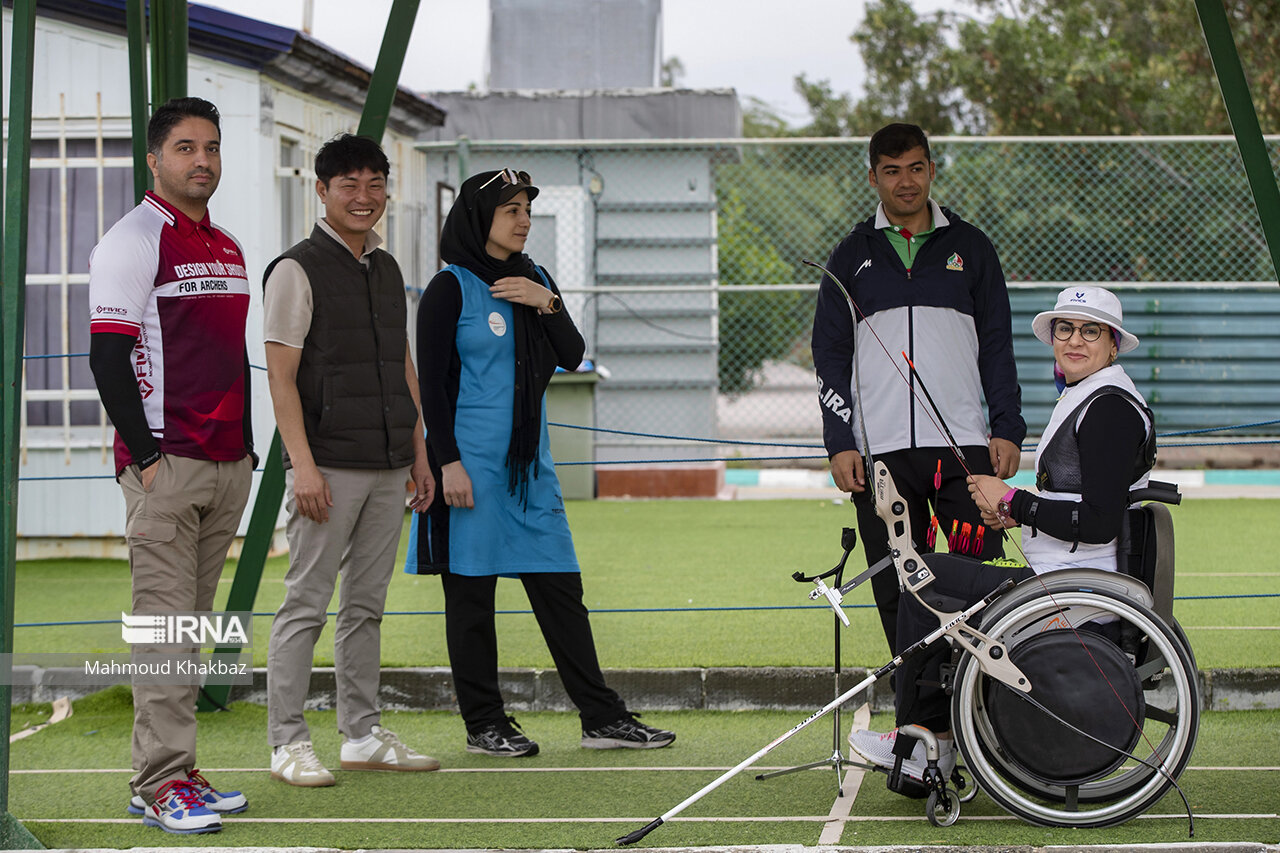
[[1152, 667]]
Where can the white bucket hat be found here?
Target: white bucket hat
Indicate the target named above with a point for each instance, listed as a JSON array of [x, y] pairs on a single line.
[[1086, 302]]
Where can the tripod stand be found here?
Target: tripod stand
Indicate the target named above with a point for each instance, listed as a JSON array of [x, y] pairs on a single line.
[[837, 761]]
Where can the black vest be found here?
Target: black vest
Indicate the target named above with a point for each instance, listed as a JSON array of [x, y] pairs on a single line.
[[1059, 469], [356, 404]]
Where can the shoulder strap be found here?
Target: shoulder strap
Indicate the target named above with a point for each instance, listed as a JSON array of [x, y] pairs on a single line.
[[1059, 469]]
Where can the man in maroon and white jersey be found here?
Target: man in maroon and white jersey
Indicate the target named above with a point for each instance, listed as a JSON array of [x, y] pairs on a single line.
[[170, 297]]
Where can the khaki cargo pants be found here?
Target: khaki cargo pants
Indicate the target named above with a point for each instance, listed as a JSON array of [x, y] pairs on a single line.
[[178, 535]]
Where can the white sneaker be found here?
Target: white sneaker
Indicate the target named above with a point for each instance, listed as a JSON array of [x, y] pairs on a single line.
[[382, 750], [878, 749], [296, 763]]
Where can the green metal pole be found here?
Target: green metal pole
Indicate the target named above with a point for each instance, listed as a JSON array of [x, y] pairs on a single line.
[[136, 26], [253, 557], [386, 74], [168, 49], [266, 507], [1244, 120], [13, 275]]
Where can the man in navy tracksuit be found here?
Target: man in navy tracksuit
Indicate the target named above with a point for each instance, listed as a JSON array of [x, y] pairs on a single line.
[[929, 285]]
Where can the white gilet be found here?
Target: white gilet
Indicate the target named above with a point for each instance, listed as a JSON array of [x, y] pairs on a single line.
[[1044, 552]]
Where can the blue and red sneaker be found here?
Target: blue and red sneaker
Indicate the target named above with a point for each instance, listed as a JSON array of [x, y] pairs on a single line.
[[178, 808], [222, 802]]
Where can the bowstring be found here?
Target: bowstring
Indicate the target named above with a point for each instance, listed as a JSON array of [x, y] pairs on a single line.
[[1004, 533]]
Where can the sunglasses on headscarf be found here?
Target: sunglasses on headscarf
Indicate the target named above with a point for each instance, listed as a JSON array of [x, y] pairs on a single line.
[[510, 177]]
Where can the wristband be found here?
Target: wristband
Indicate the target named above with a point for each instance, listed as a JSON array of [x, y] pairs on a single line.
[[150, 459], [1005, 507]]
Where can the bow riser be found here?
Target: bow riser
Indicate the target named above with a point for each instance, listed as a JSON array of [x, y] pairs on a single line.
[[915, 575]]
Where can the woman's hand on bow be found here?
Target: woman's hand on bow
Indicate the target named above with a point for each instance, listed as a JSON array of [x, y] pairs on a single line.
[[987, 492]]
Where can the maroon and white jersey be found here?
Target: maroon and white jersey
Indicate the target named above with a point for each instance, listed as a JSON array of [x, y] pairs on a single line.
[[181, 289]]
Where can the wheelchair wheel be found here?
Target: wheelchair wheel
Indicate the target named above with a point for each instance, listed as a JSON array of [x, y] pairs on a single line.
[[944, 810], [1044, 772]]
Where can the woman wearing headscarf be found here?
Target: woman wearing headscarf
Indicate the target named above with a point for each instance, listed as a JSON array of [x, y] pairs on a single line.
[[1099, 445], [491, 332]]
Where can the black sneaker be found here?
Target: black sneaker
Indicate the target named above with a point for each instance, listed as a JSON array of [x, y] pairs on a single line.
[[626, 733], [501, 739]]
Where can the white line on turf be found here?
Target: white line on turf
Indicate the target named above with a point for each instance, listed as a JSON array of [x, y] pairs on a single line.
[[843, 805], [678, 819], [453, 820], [212, 770]]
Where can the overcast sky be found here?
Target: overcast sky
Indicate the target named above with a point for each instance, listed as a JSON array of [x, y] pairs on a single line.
[[754, 46]]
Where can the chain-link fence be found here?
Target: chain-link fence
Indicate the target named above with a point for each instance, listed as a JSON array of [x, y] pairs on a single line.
[[682, 263]]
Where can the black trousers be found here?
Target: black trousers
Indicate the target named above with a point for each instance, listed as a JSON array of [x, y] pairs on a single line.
[[913, 473], [556, 598], [958, 583]]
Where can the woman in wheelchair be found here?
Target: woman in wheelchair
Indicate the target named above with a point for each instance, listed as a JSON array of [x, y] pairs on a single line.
[[1098, 446]]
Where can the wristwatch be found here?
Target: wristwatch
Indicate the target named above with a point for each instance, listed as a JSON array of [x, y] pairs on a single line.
[[554, 306], [1004, 508]]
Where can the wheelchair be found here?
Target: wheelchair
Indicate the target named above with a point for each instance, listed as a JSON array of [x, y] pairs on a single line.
[[1113, 712], [1075, 699], [1119, 707]]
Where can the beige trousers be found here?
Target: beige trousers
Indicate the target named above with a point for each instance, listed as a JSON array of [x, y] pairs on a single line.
[[359, 542], [178, 535]]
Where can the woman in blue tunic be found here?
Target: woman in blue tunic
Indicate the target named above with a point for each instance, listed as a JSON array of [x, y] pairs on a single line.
[[491, 331]]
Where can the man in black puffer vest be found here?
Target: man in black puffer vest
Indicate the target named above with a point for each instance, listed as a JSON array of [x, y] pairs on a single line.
[[346, 403]]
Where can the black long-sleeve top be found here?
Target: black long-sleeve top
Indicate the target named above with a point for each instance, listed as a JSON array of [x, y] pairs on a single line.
[[111, 360], [440, 368], [1111, 436]]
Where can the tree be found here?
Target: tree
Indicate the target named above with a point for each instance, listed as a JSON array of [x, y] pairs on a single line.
[[671, 73], [908, 70], [759, 120], [760, 326], [1106, 66], [1050, 67], [831, 114]]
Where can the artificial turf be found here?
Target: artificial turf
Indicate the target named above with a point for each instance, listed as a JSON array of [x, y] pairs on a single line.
[[659, 560], [595, 797]]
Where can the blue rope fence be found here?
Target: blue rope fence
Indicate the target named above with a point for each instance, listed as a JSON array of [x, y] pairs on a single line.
[[691, 439], [722, 609], [796, 457], [736, 442]]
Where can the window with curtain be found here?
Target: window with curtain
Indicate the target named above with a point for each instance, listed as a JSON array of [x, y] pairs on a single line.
[[57, 296]]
